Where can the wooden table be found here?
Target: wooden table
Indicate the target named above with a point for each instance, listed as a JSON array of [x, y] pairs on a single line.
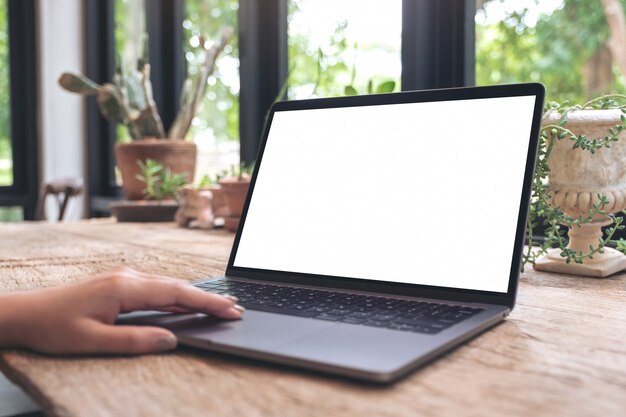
[[561, 352]]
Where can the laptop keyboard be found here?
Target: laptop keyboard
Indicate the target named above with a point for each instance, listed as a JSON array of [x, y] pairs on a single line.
[[390, 313]]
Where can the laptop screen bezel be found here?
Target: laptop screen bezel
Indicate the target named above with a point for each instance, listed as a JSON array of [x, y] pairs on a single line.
[[394, 288]]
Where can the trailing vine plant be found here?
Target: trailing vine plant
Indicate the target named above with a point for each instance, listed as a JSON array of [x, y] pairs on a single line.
[[554, 220]]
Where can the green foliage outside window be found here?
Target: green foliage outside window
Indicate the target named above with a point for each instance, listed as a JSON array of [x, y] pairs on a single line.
[[129, 43], [220, 110], [554, 51], [11, 214], [331, 69], [6, 156], [322, 68]]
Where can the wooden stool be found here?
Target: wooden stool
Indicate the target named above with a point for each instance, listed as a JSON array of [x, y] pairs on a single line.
[[63, 189]]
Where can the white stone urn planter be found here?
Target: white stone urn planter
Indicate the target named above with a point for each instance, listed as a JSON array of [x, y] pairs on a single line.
[[576, 178]]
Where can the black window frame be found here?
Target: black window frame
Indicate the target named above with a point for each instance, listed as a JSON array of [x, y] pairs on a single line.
[[438, 44], [164, 24], [437, 51], [23, 103], [99, 65], [164, 20]]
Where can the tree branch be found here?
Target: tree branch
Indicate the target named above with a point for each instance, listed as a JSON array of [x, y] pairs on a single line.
[[616, 19]]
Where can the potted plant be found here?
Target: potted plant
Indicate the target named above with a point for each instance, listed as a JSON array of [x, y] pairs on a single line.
[[579, 183], [128, 100], [161, 194], [234, 185]]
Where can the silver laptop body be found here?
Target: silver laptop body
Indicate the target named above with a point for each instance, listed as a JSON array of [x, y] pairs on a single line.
[[406, 197]]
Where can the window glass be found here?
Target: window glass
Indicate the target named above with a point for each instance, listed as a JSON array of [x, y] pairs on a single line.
[[6, 155], [130, 26], [215, 129], [561, 43], [336, 48], [11, 214]]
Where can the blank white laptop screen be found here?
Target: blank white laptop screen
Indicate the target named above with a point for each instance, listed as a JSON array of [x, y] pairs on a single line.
[[420, 193]]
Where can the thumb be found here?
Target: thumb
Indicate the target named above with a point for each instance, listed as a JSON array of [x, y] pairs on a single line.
[[107, 338]]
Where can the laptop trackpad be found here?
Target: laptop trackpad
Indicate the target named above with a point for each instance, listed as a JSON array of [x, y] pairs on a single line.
[[256, 329]]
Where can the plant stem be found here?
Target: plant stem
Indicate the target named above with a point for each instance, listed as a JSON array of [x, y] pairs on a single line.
[[569, 132], [605, 97]]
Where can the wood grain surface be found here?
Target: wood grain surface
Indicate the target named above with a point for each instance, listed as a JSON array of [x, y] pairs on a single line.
[[562, 352]]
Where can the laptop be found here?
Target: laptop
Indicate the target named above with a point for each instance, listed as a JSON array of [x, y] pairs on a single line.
[[379, 231]]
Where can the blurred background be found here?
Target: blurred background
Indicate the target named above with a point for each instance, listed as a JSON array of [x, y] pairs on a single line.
[[282, 49]]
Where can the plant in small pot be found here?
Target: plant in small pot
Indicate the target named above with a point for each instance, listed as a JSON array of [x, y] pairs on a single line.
[[579, 184], [161, 195], [234, 185], [128, 100]]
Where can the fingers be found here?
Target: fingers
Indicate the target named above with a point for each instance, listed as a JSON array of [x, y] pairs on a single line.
[[104, 338], [230, 313], [177, 310], [138, 291]]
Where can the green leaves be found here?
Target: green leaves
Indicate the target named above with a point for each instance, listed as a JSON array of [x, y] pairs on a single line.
[[238, 171], [206, 181], [235, 171], [160, 182], [385, 87], [620, 245], [350, 91]]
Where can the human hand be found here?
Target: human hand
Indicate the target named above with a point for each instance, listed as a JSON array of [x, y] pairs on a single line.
[[78, 318]]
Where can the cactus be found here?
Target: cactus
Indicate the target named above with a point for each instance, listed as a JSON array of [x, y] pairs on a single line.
[[78, 84], [189, 99], [128, 99]]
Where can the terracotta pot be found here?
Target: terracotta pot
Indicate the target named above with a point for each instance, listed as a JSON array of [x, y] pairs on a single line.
[[177, 155], [231, 223], [234, 191], [219, 202]]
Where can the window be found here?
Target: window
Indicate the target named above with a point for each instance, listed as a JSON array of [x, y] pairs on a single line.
[[18, 114], [130, 26], [6, 154], [173, 26], [418, 43], [561, 43], [343, 49], [565, 44], [11, 214], [215, 129]]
